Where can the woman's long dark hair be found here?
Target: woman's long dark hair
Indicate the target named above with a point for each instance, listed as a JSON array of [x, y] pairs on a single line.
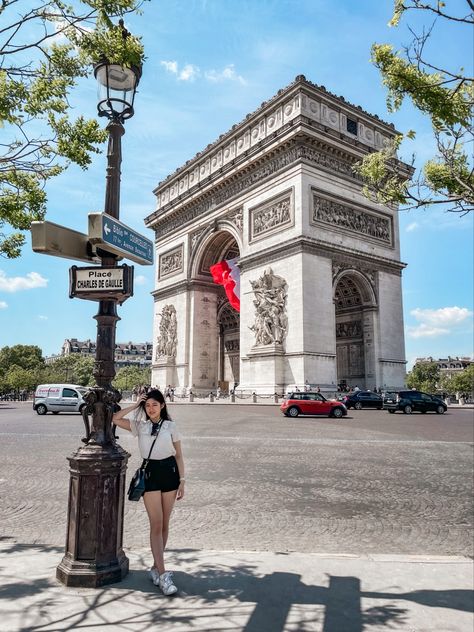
[[158, 396]]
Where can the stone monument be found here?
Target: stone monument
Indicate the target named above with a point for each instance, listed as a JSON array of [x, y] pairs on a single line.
[[320, 269]]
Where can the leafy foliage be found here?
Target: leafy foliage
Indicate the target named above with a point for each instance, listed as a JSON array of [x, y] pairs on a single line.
[[462, 382], [424, 377], [130, 376], [446, 97], [43, 54]]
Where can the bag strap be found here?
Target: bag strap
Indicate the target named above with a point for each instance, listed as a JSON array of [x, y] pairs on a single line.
[[143, 466]]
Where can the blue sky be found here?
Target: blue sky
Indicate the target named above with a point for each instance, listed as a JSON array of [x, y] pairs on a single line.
[[209, 63]]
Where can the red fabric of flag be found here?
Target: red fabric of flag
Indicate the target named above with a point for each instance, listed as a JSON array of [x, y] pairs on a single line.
[[227, 274]]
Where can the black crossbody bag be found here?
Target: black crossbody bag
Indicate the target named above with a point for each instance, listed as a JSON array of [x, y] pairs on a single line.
[[136, 489]]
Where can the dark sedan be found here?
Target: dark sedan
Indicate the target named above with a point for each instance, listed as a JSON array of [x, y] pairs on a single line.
[[363, 399], [414, 401]]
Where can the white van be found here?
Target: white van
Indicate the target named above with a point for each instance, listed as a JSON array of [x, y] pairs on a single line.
[[58, 398]]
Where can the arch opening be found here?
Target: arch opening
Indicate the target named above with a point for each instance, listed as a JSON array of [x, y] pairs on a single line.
[[217, 364], [350, 300]]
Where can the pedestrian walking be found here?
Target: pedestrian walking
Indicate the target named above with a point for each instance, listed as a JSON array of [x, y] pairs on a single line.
[[164, 472]]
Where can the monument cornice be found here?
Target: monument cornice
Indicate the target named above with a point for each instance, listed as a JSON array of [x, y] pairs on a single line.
[[299, 245], [184, 285], [301, 103], [300, 149]]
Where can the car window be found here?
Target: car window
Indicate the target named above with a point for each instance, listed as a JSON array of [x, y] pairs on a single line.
[[409, 395], [69, 392], [315, 397], [295, 396], [426, 398]]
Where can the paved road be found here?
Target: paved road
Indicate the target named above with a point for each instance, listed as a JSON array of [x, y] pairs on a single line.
[[371, 483]]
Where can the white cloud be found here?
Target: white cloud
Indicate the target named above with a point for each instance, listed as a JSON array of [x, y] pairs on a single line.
[[140, 279], [41, 317], [188, 73], [411, 227], [425, 331], [16, 284], [444, 316], [437, 322], [227, 74], [3, 305], [171, 66]]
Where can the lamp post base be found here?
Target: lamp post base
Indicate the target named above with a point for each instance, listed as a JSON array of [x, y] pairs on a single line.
[[94, 555]]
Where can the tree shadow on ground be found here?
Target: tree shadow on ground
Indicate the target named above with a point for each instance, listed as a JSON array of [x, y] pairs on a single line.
[[238, 597]]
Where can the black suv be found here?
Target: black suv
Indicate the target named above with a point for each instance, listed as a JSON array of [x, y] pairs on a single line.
[[414, 401], [363, 399]]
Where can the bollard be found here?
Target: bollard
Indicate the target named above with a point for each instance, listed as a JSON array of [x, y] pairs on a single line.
[[191, 396], [211, 397], [275, 398], [254, 398], [232, 398]]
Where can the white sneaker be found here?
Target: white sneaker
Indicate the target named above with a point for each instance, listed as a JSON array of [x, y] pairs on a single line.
[[155, 576], [166, 584]]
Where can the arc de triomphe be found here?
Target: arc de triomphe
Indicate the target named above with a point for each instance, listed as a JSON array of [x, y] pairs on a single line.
[[320, 298]]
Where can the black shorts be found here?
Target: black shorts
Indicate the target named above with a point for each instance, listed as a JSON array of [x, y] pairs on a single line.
[[162, 475]]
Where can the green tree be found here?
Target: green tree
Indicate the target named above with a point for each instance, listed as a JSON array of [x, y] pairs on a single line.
[[130, 376], [446, 96], [23, 356], [462, 382], [73, 369], [424, 377], [43, 54], [17, 378]]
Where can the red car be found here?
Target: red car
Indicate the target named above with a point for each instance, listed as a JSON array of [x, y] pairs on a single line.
[[311, 404]]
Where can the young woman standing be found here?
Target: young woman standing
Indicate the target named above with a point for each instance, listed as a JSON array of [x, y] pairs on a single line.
[[164, 473]]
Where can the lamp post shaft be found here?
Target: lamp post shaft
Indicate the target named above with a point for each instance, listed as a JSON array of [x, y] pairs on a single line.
[[94, 555]]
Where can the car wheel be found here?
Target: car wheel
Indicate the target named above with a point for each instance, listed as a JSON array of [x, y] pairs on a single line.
[[293, 412], [407, 410], [392, 412], [337, 412], [41, 409], [357, 405], [440, 410]]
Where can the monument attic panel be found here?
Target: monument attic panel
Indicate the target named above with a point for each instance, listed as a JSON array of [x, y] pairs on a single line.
[[301, 99]]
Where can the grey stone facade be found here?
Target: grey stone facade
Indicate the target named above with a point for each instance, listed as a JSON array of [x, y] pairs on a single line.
[[279, 192]]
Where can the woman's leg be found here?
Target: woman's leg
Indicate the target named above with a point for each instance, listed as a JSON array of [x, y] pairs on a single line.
[[152, 501], [167, 504]]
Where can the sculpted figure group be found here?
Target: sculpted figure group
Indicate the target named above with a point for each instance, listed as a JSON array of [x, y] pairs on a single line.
[[271, 322], [168, 338]]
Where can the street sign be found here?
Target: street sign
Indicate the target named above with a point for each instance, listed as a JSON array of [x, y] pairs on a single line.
[[97, 284], [52, 239], [109, 234]]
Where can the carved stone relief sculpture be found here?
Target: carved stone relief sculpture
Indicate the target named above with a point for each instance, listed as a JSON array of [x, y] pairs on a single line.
[[237, 218], [344, 216], [349, 330], [271, 321], [270, 217], [171, 262], [168, 339]]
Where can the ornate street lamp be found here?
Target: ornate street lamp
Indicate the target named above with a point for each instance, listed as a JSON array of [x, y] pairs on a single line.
[[94, 555]]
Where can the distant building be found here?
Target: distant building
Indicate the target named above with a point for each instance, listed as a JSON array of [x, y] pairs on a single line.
[[449, 365], [137, 354]]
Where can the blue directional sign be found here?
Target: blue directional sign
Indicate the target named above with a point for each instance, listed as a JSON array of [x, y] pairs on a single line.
[[109, 234]]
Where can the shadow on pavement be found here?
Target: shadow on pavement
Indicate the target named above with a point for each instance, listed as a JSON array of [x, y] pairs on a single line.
[[214, 596]]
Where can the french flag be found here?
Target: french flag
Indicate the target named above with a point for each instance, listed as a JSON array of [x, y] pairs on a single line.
[[227, 273]]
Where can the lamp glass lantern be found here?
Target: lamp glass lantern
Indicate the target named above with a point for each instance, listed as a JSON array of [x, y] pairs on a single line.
[[117, 86]]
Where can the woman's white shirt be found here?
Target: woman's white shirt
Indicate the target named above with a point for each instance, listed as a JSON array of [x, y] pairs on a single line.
[[163, 447]]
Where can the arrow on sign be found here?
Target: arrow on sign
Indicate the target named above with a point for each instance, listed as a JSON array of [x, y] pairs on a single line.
[[106, 229]]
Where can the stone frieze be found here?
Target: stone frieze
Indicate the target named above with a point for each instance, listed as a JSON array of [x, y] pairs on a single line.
[[351, 218]]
